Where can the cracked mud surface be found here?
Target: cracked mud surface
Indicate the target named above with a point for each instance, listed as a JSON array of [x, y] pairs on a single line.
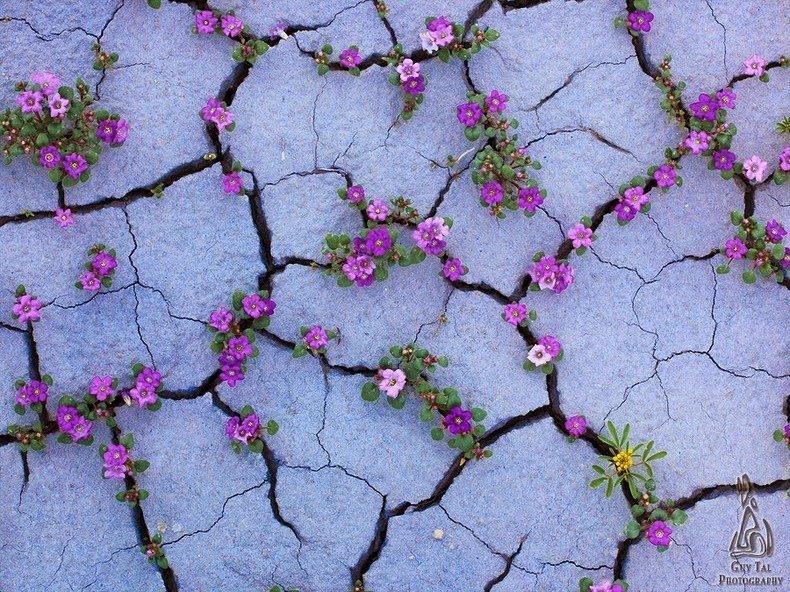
[[348, 490]]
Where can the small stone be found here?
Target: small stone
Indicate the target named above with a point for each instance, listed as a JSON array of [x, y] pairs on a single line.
[[438, 534]]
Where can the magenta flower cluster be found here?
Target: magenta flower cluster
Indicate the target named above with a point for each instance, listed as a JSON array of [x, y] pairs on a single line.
[[548, 273], [216, 112], [72, 423], [246, 429], [543, 354], [314, 340], [148, 382], [26, 308], [100, 269], [58, 127], [232, 182], [208, 22], [235, 332], [760, 244]]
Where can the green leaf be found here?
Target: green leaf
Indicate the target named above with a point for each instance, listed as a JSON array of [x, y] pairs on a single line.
[[141, 465], [121, 496], [370, 391], [19, 409], [464, 442], [678, 517], [397, 402], [585, 584], [272, 427], [396, 351], [155, 3], [426, 414], [443, 361], [478, 414], [637, 510], [722, 269], [472, 133], [322, 69], [256, 446], [632, 529], [155, 406], [613, 433], [597, 482], [299, 351], [247, 410], [437, 434], [547, 368], [609, 488], [162, 562], [127, 440], [343, 281]]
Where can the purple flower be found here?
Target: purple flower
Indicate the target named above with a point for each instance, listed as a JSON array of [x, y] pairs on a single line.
[[581, 235], [754, 168], [366, 266], [149, 377], [47, 81], [723, 159], [414, 85], [101, 388], [430, 234], [90, 282], [231, 25], [67, 416], [58, 106], [515, 312], [408, 69], [538, 356], [547, 266], [428, 42], [636, 197], [143, 394], [231, 374], [106, 131], [316, 337], [22, 396], [492, 192], [121, 132], [438, 24], [784, 159], [697, 142], [576, 425], [252, 305], [469, 114], [26, 308], [785, 262], [205, 22], [704, 108], [63, 217], [658, 533], [754, 66], [458, 421], [30, 101], [640, 20], [240, 347], [279, 30], [564, 278], [391, 382], [356, 194], [378, 241], [351, 268], [441, 31], [726, 98], [377, 210], [496, 101], [232, 183], [453, 269], [115, 460], [103, 264], [787, 431], [231, 426], [735, 248], [223, 119], [606, 586], [37, 391], [529, 198], [249, 426], [774, 232], [237, 429], [625, 211], [220, 319], [350, 58], [268, 306], [80, 429], [209, 112], [551, 344], [665, 176], [74, 165], [49, 157]]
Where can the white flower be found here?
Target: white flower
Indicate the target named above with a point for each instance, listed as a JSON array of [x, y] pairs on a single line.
[[538, 356], [428, 42]]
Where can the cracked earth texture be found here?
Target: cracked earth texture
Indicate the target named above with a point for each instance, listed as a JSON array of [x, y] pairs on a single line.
[[348, 490]]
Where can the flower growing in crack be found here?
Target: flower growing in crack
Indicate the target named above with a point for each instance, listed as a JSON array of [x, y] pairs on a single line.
[[355, 194], [581, 236], [697, 142], [639, 20], [255, 306], [544, 354], [115, 459], [658, 534], [391, 382], [350, 58], [71, 423], [30, 101], [491, 192], [530, 199], [90, 282], [496, 102], [453, 269], [25, 308], [216, 112], [550, 274], [754, 66], [469, 114], [587, 585], [575, 426], [407, 69], [430, 235], [515, 313], [102, 387], [74, 165], [247, 429], [754, 168], [220, 319], [735, 248], [774, 232], [103, 264], [704, 108], [378, 242], [231, 25], [665, 176], [723, 159], [239, 347], [414, 85], [314, 340], [538, 356], [726, 98], [50, 157], [205, 22], [47, 82], [316, 337], [100, 269], [63, 217], [58, 106], [458, 421], [377, 210]]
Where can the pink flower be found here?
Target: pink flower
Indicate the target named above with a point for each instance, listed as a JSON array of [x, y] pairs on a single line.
[[754, 66], [377, 210], [581, 236], [408, 69], [58, 106], [231, 25], [576, 425], [392, 382], [26, 308], [63, 217], [90, 282], [697, 142], [538, 356], [754, 168], [514, 313]]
